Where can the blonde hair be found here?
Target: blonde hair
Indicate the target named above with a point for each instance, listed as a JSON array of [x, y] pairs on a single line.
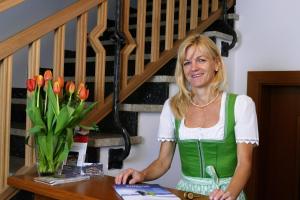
[[181, 100]]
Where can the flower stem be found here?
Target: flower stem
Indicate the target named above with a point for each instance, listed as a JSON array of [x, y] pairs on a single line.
[[45, 107], [70, 98], [57, 103], [38, 97]]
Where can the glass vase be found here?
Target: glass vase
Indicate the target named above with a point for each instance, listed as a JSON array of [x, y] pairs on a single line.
[[45, 163]]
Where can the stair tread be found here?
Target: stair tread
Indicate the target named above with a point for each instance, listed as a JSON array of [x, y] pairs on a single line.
[[110, 139]]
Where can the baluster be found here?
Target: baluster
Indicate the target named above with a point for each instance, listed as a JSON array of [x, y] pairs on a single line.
[[155, 35], [81, 40], [58, 54], [204, 13], [34, 55], [100, 52], [130, 44], [5, 99], [169, 24], [215, 5], [194, 14], [182, 19], [140, 36]]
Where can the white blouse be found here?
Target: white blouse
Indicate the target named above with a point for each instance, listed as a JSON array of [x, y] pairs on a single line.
[[246, 130]]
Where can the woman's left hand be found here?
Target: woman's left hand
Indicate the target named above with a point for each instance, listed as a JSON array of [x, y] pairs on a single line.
[[219, 194]]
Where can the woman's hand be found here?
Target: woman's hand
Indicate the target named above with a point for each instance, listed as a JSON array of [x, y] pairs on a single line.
[[219, 194], [130, 176]]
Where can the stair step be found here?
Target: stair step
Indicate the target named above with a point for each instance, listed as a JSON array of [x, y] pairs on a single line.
[[110, 139], [141, 108]]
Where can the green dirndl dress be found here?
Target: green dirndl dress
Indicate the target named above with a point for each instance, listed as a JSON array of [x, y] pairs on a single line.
[[209, 164]]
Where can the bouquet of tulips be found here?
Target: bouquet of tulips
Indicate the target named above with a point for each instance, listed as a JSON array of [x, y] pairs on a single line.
[[54, 113]]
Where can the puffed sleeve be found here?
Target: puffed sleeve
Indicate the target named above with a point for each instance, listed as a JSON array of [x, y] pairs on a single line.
[[246, 129], [166, 123]]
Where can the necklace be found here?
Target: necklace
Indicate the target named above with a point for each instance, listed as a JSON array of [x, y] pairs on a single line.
[[203, 106]]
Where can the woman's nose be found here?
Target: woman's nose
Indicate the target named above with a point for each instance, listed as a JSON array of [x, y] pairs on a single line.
[[194, 65]]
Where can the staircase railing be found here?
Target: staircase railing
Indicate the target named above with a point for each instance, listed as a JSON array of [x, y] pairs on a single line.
[[210, 12], [31, 37]]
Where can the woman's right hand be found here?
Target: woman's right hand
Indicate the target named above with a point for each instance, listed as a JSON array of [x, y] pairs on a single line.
[[130, 176]]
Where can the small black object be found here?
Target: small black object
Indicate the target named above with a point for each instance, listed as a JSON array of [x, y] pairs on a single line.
[[114, 161]]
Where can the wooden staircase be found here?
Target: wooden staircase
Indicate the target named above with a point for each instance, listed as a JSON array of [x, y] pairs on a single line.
[[135, 70]]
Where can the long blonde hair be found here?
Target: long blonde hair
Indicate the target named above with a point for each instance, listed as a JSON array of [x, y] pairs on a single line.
[[181, 100]]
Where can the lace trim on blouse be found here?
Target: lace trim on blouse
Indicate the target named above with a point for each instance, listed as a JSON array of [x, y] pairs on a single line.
[[247, 141], [163, 139]]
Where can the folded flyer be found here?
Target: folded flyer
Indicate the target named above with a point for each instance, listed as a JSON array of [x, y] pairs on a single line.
[[144, 192]]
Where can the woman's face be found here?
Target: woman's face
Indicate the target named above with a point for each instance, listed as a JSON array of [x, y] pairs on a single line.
[[199, 67]]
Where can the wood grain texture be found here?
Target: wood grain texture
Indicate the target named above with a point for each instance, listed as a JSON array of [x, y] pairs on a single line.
[[100, 188]]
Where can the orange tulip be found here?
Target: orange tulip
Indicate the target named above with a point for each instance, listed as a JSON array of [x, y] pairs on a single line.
[[68, 85], [48, 75], [80, 86], [56, 87], [83, 94], [30, 83], [40, 80], [71, 87], [61, 81]]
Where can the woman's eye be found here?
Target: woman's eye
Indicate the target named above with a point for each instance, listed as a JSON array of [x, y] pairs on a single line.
[[200, 60], [186, 63]]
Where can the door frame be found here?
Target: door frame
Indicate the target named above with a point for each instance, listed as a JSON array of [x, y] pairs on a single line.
[[255, 83]]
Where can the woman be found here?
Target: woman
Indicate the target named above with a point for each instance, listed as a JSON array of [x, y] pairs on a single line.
[[215, 131]]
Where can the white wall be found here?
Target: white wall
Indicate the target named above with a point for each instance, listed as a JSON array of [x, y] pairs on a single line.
[[269, 38]]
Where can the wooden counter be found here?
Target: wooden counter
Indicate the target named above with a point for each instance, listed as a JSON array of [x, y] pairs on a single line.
[[95, 188]]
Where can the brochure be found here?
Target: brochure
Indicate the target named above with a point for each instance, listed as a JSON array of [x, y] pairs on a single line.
[[144, 192]]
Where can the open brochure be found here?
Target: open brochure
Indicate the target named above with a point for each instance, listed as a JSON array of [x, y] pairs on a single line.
[[53, 180], [144, 192]]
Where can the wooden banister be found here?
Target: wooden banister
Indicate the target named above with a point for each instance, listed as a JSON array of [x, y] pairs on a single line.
[[45, 26], [6, 4], [150, 69]]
